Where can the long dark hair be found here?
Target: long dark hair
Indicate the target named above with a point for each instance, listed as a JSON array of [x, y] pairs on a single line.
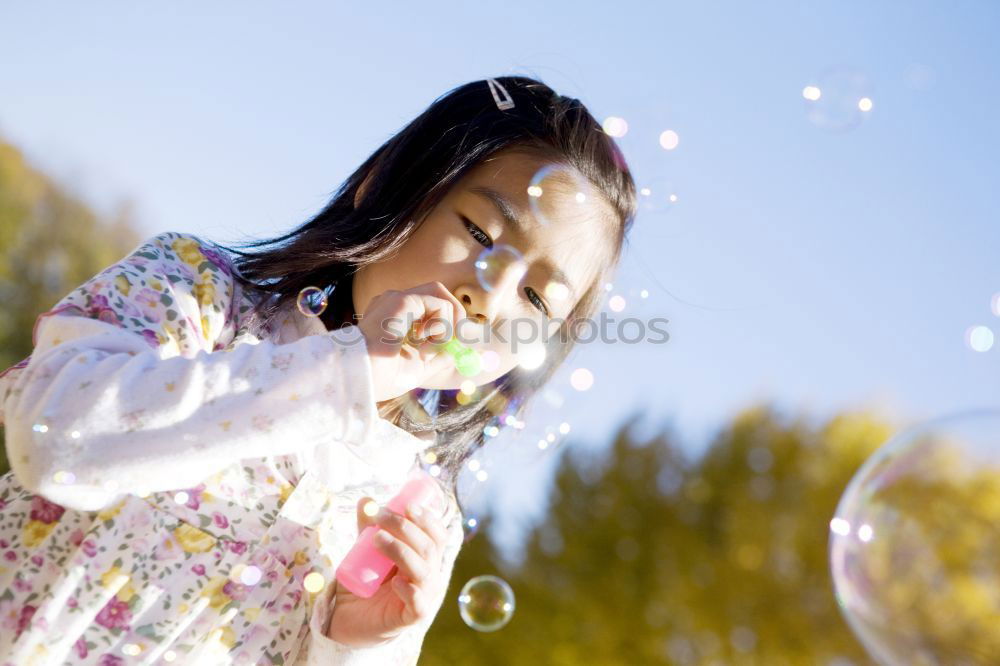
[[406, 178]]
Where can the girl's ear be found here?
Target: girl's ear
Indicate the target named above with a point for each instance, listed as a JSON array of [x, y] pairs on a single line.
[[363, 188]]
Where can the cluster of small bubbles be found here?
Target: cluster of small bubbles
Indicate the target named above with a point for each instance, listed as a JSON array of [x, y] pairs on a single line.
[[40, 427], [312, 301], [616, 303], [839, 100], [486, 603], [313, 582], [669, 139], [497, 265], [581, 379], [979, 338], [181, 497], [64, 477], [491, 431], [912, 524], [615, 126]]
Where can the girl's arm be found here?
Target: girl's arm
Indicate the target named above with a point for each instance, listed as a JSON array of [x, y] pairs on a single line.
[[404, 649], [130, 387]]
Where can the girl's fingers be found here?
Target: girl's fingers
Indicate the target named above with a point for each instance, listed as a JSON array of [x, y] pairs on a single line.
[[410, 594], [441, 304], [403, 556], [429, 521], [408, 532]]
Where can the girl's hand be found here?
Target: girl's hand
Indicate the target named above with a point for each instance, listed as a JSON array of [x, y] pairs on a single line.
[[414, 588], [402, 331]]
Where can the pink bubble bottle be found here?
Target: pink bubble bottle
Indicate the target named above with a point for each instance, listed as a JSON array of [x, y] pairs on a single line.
[[364, 568]]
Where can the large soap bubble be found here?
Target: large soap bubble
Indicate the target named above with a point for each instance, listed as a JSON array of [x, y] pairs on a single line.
[[486, 603], [915, 541]]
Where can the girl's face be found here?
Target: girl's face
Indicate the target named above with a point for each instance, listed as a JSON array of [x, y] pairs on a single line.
[[560, 232]]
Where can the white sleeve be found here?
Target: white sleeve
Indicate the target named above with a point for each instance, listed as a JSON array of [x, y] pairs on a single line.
[[404, 649], [98, 411]]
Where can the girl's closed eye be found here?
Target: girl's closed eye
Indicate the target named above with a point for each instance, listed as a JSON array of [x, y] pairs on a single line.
[[481, 236], [484, 239], [536, 300]]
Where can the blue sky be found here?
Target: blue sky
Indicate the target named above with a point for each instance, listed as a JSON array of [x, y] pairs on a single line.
[[814, 269]]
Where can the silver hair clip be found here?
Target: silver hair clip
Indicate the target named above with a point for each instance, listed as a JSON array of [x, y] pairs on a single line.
[[502, 104]]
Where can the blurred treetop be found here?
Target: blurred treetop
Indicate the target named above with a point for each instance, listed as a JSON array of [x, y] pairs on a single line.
[[50, 243], [647, 558]]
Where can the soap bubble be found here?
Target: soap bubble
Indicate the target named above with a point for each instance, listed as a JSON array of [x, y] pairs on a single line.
[[581, 379], [486, 603], [498, 264], [471, 528], [251, 575], [914, 545], [554, 184], [838, 100], [313, 582], [656, 191], [311, 301]]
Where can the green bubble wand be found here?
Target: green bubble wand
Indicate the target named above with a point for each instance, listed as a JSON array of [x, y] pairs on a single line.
[[467, 361]]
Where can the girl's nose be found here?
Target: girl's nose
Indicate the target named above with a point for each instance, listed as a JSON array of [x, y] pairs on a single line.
[[485, 305], [481, 306], [470, 309]]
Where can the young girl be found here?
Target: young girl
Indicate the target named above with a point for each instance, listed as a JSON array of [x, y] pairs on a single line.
[[193, 454]]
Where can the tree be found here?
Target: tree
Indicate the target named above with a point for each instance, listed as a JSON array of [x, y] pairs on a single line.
[[649, 558], [50, 242]]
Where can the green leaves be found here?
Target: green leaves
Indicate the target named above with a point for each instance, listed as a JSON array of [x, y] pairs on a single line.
[[649, 555]]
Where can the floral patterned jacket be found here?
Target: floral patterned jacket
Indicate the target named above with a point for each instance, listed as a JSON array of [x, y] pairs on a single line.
[[175, 477]]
